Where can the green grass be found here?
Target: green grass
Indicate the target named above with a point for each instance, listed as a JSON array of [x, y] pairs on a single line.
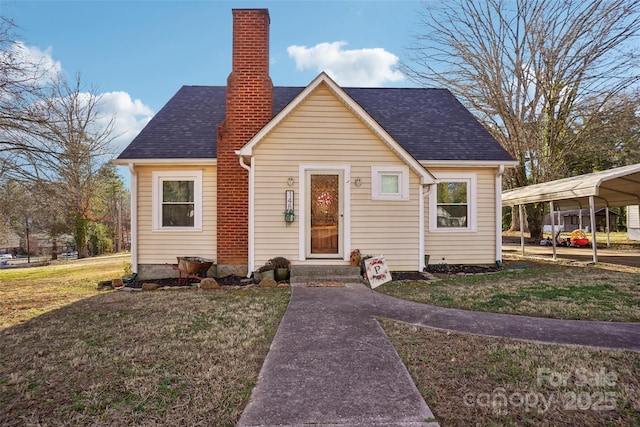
[[179, 357], [72, 355], [541, 289], [29, 292], [474, 380]]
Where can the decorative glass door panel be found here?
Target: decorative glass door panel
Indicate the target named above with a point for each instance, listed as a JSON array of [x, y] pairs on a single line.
[[325, 214]]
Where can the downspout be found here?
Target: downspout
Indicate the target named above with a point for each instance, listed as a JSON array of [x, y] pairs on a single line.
[[134, 218], [251, 260], [499, 215], [421, 226]]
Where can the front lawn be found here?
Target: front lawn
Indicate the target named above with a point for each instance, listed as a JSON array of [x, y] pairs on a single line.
[[83, 357], [473, 380], [72, 355], [542, 289]]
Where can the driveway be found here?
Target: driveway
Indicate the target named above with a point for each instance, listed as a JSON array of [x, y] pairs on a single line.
[[627, 258]]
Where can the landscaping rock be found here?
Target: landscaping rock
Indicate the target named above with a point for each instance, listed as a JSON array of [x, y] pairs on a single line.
[[283, 285], [208, 283], [117, 283], [268, 282], [149, 286], [105, 284]]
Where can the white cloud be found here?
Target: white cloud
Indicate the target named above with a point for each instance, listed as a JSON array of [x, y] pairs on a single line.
[[358, 67], [36, 63], [130, 116]]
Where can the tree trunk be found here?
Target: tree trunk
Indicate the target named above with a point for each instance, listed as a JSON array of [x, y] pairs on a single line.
[[81, 237], [535, 219], [515, 220], [54, 250]]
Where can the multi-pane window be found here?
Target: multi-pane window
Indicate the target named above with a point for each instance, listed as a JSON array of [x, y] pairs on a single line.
[[177, 200], [178, 203], [453, 208], [452, 203]]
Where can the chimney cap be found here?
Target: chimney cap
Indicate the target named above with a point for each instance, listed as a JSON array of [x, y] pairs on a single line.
[[263, 10]]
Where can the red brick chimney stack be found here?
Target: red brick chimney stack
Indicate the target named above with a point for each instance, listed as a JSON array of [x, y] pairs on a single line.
[[249, 108]]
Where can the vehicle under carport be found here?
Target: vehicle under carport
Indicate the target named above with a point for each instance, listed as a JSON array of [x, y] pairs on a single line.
[[611, 188]]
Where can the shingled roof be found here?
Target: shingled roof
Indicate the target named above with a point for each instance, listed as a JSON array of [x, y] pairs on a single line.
[[431, 124]]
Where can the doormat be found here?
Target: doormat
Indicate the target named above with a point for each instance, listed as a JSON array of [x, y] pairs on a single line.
[[330, 284]]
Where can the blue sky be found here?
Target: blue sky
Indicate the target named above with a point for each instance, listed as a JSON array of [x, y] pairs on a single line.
[[139, 53]]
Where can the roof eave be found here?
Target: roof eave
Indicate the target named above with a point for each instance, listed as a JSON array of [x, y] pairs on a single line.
[[469, 163], [193, 161]]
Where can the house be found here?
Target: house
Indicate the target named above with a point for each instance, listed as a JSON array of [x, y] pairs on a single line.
[[219, 171], [574, 219]]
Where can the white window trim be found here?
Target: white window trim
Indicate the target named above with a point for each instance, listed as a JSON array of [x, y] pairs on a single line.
[[157, 178], [472, 195], [403, 182]]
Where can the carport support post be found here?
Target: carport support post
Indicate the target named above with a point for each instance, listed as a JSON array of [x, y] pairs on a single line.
[[592, 214], [520, 211], [580, 216], [553, 231], [606, 215]]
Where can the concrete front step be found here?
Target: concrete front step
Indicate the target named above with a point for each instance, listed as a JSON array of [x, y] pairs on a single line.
[[314, 273]]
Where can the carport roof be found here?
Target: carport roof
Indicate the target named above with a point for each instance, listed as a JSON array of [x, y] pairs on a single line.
[[613, 187]]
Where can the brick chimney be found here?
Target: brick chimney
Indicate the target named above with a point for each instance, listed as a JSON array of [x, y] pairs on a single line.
[[248, 109]]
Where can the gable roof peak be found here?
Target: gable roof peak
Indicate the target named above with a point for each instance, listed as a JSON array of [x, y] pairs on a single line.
[[323, 79]]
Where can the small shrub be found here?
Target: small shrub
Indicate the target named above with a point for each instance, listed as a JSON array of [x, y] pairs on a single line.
[[279, 262], [267, 267]]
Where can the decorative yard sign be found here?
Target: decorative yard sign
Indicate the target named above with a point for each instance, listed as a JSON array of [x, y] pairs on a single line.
[[377, 271]]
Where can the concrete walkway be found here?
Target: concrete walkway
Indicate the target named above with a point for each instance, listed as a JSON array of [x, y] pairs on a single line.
[[331, 364]]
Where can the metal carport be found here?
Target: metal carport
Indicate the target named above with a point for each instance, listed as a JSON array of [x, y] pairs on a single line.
[[611, 188]]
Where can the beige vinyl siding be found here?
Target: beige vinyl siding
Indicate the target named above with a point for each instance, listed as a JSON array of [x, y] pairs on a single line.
[[477, 247], [159, 247], [323, 131]]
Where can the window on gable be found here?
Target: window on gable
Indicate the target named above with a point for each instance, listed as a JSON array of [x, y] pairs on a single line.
[[453, 203], [390, 183], [177, 200]]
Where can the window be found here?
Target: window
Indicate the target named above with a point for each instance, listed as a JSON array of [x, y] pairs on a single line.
[[177, 200], [178, 206], [452, 203], [390, 183]]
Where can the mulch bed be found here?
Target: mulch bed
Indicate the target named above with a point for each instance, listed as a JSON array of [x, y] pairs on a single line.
[[462, 269], [173, 282], [396, 276]]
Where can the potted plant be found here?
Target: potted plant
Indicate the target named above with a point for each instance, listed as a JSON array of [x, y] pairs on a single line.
[[266, 270], [281, 266], [289, 216]]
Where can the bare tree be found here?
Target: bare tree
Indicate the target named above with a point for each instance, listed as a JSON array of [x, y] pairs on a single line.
[[63, 150], [615, 141], [21, 80], [528, 69]]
